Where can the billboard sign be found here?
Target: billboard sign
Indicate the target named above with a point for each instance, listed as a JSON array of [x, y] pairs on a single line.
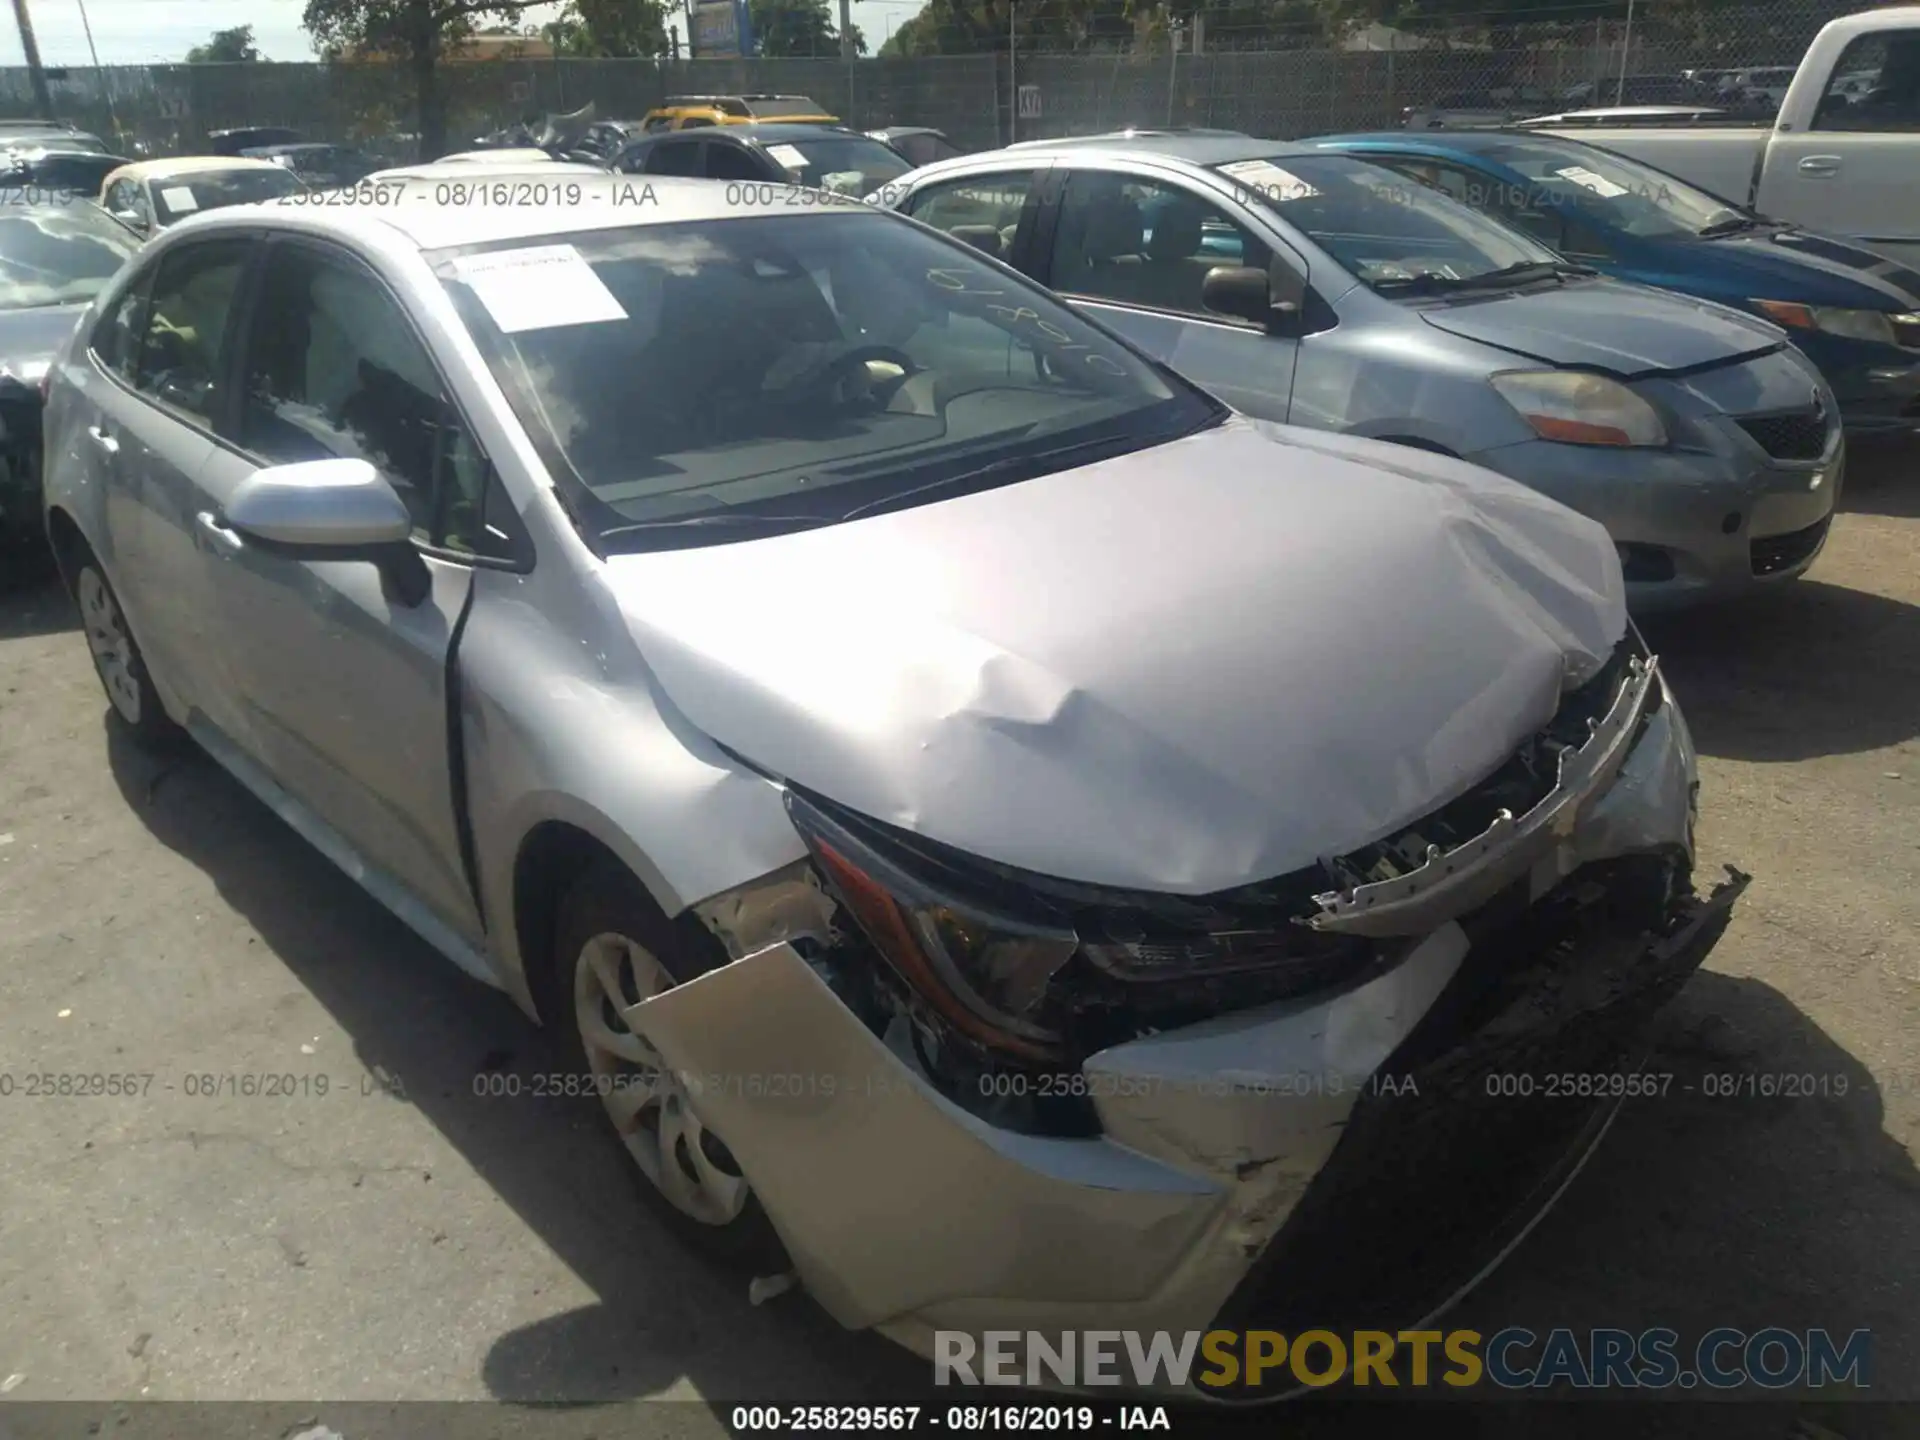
[[721, 29]]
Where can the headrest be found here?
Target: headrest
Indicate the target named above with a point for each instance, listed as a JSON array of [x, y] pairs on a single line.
[[1114, 228], [1177, 232]]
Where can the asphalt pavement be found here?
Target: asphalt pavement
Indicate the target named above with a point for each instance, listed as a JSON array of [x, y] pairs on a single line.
[[380, 1228]]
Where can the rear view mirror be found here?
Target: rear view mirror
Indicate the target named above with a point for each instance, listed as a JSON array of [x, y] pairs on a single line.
[[320, 504]]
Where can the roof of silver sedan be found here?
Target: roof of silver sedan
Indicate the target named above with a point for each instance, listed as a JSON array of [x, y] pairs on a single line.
[[436, 209], [1217, 147]]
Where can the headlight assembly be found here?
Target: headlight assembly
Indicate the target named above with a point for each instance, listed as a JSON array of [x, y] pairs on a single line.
[[987, 966], [1878, 327], [1580, 409]]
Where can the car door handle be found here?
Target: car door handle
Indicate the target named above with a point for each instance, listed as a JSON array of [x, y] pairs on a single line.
[[222, 539], [105, 441], [1820, 165]]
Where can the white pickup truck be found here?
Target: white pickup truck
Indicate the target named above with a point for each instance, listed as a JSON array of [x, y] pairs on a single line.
[[1843, 154]]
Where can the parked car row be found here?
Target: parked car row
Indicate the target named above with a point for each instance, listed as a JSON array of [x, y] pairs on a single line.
[[790, 646]]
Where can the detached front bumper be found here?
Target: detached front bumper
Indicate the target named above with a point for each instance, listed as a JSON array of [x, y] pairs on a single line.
[[1278, 1152]]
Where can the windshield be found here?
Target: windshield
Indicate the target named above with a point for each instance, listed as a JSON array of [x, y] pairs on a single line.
[[175, 197], [1612, 192], [848, 164], [1386, 230], [800, 365], [763, 106], [62, 255]]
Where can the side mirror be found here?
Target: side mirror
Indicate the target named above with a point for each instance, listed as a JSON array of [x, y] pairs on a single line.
[[331, 510], [1246, 293], [328, 504]]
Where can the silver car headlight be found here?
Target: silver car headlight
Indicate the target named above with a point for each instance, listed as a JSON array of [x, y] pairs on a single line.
[[1580, 409], [1877, 327]]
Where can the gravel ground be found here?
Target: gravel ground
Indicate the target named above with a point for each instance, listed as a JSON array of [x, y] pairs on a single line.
[[402, 1238]]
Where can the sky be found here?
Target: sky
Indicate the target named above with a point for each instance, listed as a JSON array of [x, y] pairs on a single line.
[[133, 32]]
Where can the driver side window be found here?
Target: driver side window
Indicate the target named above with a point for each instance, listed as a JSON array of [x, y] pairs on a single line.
[[334, 370]]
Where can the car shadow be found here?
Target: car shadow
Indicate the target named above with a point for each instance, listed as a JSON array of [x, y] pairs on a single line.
[[664, 1315], [35, 606], [1883, 478], [1726, 1201], [1807, 670]]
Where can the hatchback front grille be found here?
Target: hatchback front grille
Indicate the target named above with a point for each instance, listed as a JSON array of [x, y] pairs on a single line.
[[1775, 553], [1802, 436]]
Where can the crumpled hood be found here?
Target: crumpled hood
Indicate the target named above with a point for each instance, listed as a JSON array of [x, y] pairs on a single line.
[[1625, 330], [1180, 670]]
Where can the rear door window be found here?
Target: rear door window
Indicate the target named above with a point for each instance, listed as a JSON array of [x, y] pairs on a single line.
[[184, 342]]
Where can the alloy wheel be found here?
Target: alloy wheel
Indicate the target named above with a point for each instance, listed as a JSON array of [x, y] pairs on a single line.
[[646, 1101], [110, 643]]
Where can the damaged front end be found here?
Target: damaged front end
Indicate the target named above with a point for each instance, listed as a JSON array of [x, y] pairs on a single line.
[[1076, 1074]]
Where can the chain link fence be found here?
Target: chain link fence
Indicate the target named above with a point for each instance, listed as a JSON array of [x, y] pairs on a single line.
[[1267, 80]]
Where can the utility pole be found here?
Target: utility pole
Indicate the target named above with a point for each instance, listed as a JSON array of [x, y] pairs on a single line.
[[1013, 77], [1626, 54], [29, 47]]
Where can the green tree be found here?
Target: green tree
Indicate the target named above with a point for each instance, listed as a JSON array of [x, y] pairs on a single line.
[[606, 28], [226, 47], [798, 27], [414, 33]]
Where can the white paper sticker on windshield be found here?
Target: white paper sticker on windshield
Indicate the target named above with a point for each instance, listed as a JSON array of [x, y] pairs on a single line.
[[179, 197], [1598, 184], [540, 288], [788, 156], [1267, 181]]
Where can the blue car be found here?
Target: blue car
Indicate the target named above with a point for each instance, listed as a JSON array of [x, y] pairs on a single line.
[[1855, 313]]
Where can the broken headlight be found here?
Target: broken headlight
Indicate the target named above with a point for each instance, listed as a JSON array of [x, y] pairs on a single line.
[[986, 974]]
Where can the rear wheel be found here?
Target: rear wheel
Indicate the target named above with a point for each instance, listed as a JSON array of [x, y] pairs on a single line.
[[117, 659], [613, 949]]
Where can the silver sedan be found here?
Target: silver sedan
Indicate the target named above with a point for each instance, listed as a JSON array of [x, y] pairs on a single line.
[[1322, 290], [979, 817]]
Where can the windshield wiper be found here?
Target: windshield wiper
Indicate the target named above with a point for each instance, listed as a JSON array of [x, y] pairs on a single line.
[[996, 467], [1524, 273], [1732, 225], [722, 519]]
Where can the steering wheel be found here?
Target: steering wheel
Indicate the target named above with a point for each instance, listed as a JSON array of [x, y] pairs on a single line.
[[826, 380]]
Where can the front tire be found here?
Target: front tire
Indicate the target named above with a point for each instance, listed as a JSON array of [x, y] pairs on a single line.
[[117, 659], [612, 949]]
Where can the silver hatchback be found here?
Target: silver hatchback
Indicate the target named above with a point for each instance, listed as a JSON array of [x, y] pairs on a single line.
[[978, 816], [1325, 291]]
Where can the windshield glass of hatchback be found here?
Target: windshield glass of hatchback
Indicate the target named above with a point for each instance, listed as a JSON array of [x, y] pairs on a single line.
[[1384, 228], [848, 164], [1611, 192], [799, 364], [176, 198], [62, 255]]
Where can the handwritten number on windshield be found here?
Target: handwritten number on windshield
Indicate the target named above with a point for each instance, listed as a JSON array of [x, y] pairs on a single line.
[[955, 283]]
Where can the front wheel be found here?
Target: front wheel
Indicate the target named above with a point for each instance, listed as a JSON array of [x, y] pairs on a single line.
[[612, 950]]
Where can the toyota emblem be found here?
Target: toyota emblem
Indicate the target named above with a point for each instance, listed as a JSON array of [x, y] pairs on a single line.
[[1819, 406]]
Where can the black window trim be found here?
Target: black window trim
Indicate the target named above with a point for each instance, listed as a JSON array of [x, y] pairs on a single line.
[[523, 557]]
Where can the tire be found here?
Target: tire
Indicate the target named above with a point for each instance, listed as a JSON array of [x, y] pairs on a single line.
[[117, 659], [609, 930]]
